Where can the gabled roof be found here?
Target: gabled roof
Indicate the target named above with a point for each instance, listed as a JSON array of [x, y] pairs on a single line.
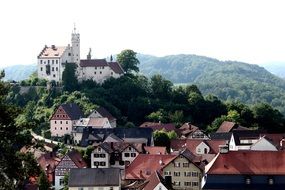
[[153, 181], [155, 149], [244, 134], [119, 146], [52, 52], [48, 163], [228, 126], [249, 163], [104, 113], [145, 164], [90, 177], [221, 136], [122, 133], [93, 62], [116, 67], [76, 157], [113, 138], [72, 110]]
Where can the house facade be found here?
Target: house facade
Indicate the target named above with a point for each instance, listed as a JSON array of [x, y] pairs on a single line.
[[102, 112], [71, 160], [64, 118]]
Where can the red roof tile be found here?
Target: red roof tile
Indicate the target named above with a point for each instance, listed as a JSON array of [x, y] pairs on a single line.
[[155, 149], [116, 67], [249, 163], [145, 164], [153, 181], [228, 126], [48, 162], [93, 62]]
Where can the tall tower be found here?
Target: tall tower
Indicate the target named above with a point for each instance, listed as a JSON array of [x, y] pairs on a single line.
[[75, 42]]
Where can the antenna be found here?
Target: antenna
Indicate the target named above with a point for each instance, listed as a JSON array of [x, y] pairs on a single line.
[[74, 30]]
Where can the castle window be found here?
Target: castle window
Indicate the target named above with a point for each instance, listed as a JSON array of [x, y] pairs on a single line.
[[48, 61], [111, 73], [103, 67], [100, 72], [66, 128], [61, 128], [69, 54], [41, 69], [52, 69], [41, 61], [66, 122], [52, 61], [60, 122], [53, 76], [56, 68], [95, 68], [54, 122], [95, 73], [56, 61], [55, 128]]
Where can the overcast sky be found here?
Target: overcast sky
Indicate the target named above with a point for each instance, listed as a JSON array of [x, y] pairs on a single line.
[[245, 30]]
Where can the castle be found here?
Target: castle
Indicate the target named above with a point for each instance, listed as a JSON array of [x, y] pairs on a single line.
[[52, 61]]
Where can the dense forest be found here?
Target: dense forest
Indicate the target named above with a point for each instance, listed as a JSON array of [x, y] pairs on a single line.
[[227, 80]]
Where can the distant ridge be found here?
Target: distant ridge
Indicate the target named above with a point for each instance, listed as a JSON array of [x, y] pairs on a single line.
[[19, 72]]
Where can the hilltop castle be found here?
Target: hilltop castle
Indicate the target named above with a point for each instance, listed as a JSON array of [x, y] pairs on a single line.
[[52, 61]]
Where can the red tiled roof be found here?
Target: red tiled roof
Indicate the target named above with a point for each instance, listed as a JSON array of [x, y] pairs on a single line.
[[249, 163], [52, 52], [276, 139], [155, 149], [116, 67], [76, 157], [191, 144], [153, 181], [145, 164], [48, 162], [228, 126], [93, 63]]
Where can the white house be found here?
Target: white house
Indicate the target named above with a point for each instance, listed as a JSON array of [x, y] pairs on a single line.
[[243, 140], [71, 160], [64, 118]]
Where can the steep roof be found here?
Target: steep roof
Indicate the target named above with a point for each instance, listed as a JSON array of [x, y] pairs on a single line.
[[245, 134], [93, 62], [145, 164], [105, 113], [155, 149], [228, 126], [72, 110], [76, 157], [249, 163], [116, 67], [52, 52], [48, 163], [94, 177], [153, 181]]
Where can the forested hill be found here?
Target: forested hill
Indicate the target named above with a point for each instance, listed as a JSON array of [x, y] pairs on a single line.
[[19, 72], [229, 80]]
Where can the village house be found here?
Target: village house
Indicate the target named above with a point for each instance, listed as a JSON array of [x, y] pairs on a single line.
[[64, 118], [101, 112], [94, 178], [246, 170], [243, 139], [156, 182], [114, 154], [72, 159], [187, 130]]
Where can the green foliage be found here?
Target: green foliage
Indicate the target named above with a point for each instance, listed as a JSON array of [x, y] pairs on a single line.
[[129, 62], [65, 181], [161, 138], [43, 181], [229, 80], [69, 78], [161, 88], [172, 135]]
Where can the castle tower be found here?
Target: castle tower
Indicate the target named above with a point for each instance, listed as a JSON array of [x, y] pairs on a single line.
[[75, 42]]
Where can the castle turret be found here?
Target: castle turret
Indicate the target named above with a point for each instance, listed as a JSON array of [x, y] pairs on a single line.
[[75, 41]]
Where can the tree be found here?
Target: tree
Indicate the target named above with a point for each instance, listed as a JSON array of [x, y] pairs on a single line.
[[69, 79], [128, 60], [43, 181], [161, 88], [161, 138], [177, 117]]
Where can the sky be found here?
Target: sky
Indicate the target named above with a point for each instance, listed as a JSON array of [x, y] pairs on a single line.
[[251, 31]]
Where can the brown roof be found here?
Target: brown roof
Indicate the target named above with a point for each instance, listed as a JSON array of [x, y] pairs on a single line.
[[191, 144], [116, 67], [105, 113], [145, 164], [76, 157], [278, 140], [155, 149], [226, 126], [52, 52], [249, 163], [97, 122], [93, 62], [48, 162], [159, 126], [153, 181]]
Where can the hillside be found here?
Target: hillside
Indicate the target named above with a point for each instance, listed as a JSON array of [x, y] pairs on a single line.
[[277, 68], [229, 80], [19, 72]]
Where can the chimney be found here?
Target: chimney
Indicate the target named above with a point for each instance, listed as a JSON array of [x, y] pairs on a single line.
[[223, 149]]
